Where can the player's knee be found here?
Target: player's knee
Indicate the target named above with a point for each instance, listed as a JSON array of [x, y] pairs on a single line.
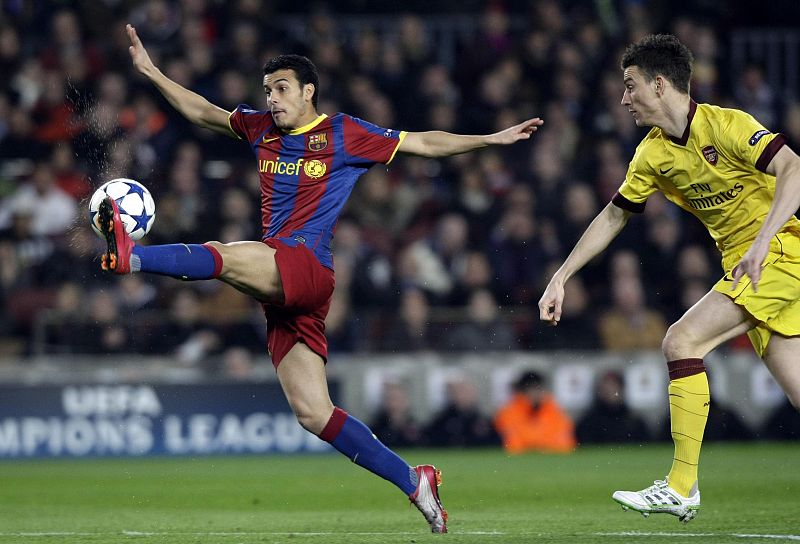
[[675, 344], [311, 417], [310, 420]]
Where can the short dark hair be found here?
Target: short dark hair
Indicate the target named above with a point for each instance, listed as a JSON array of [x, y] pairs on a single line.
[[302, 67], [661, 54]]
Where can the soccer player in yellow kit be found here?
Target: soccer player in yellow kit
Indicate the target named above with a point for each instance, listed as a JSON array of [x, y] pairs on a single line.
[[743, 183]]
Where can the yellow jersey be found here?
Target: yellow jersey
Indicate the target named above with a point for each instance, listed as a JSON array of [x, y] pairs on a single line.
[[716, 171]]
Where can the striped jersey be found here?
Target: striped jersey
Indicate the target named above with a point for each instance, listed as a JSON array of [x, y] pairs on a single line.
[[308, 173], [716, 171]]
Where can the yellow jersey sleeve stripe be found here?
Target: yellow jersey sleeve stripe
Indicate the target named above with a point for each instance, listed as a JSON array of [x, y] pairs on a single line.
[[399, 141]]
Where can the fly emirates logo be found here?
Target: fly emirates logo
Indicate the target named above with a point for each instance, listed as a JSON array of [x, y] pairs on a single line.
[[701, 201]]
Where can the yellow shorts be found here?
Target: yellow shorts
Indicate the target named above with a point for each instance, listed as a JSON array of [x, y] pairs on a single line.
[[776, 305]]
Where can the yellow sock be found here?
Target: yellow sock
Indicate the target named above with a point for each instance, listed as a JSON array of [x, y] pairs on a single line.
[[689, 400]]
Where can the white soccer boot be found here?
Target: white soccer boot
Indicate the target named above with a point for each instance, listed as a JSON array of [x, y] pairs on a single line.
[[660, 498], [426, 497]]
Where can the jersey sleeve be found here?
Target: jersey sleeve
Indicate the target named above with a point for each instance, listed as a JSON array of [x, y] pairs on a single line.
[[249, 124], [749, 141], [366, 144], [639, 182]]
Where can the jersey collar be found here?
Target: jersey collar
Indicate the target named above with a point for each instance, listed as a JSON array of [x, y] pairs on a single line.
[[685, 138], [307, 127]]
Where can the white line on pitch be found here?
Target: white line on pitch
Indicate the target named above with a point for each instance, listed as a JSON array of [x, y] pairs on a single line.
[[702, 535], [291, 533]]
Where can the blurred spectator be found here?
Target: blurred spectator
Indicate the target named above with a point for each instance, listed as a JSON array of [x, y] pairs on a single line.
[[482, 328], [410, 329], [393, 424], [663, 246], [67, 46], [460, 423], [341, 329], [237, 365], [608, 419], [51, 209], [54, 114], [579, 208], [533, 421], [25, 250], [59, 323], [102, 329], [517, 256], [74, 259], [438, 260], [69, 176], [477, 274], [187, 334], [577, 328], [792, 124], [369, 266], [630, 324], [134, 293], [755, 96]]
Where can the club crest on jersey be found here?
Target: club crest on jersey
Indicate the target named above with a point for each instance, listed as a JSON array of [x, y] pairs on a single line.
[[314, 169], [711, 155], [317, 142]]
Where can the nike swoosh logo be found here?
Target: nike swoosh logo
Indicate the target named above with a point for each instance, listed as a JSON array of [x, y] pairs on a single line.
[[665, 171], [268, 140], [726, 278]]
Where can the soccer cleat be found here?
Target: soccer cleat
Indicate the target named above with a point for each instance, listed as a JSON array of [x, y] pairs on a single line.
[[426, 497], [117, 258], [660, 498]]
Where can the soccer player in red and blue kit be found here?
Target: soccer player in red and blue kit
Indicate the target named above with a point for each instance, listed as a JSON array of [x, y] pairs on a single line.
[[308, 164]]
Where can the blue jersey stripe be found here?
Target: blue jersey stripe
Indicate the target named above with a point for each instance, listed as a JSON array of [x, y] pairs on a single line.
[[339, 186], [284, 187]]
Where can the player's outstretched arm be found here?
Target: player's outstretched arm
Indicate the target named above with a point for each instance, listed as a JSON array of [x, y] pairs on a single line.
[[436, 143], [603, 229], [191, 105], [785, 166]]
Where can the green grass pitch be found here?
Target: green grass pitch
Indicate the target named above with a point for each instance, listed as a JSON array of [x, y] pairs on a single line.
[[751, 493]]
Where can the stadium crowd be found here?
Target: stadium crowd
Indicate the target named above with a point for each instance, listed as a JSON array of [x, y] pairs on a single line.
[[442, 255]]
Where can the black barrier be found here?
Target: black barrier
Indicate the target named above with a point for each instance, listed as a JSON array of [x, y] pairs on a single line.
[[141, 419]]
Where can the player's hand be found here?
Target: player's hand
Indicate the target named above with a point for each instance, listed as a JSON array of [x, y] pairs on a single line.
[[141, 60], [522, 131], [751, 265], [550, 303]]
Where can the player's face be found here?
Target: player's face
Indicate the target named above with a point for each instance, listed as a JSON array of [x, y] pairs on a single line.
[[639, 97], [289, 102]]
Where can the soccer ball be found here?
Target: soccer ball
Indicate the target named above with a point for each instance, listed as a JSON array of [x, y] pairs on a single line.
[[136, 206]]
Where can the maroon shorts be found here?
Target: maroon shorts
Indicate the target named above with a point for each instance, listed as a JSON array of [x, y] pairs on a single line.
[[307, 290]]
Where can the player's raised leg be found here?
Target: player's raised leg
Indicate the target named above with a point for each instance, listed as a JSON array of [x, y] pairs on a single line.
[[713, 320], [302, 375], [248, 266]]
